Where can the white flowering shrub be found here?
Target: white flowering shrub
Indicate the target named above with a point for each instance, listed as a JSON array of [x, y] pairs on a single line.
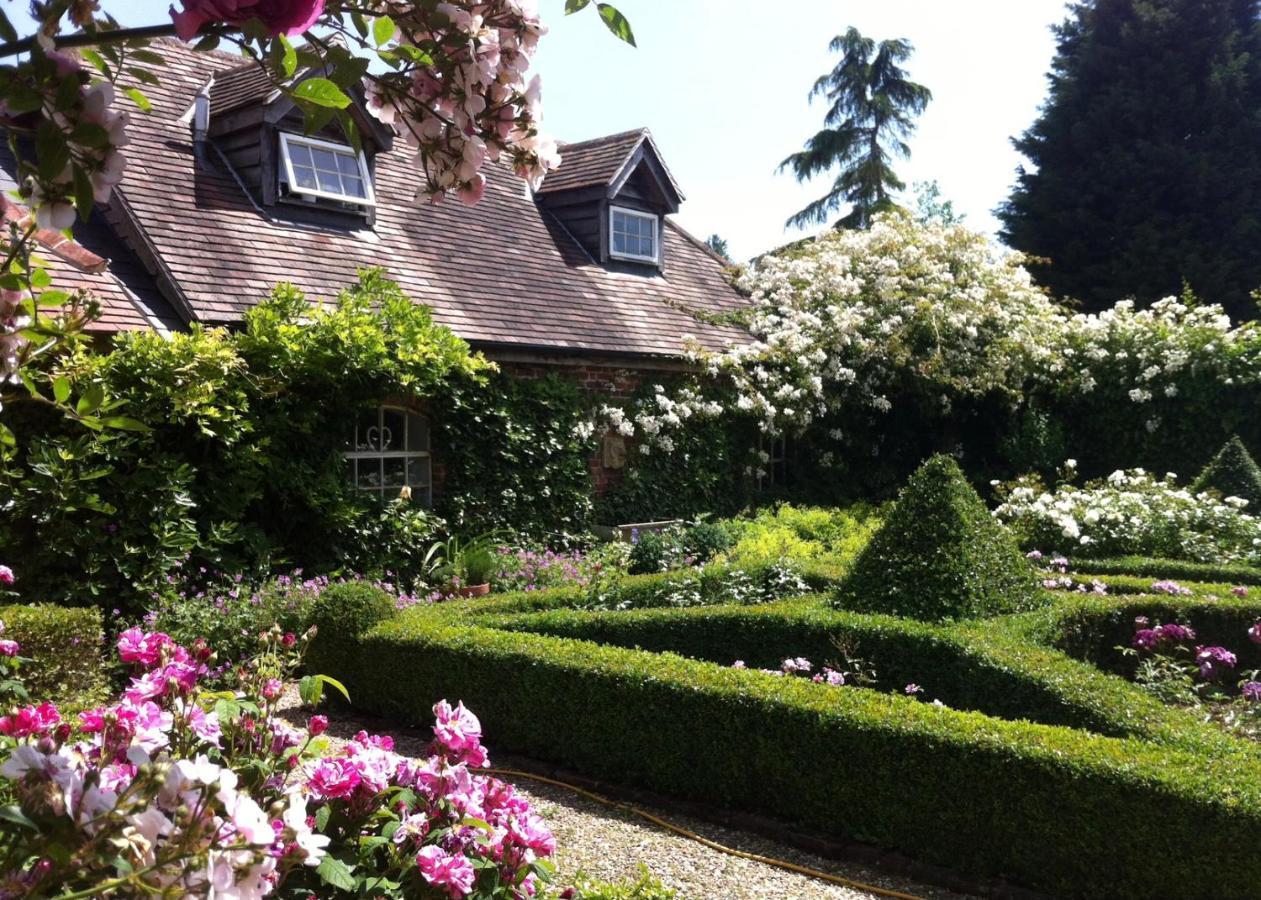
[[1132, 513]]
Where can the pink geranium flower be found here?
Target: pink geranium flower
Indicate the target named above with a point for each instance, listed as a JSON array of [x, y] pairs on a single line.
[[450, 872]]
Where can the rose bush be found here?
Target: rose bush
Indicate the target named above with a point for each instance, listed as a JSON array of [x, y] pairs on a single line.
[[1131, 513], [178, 789]]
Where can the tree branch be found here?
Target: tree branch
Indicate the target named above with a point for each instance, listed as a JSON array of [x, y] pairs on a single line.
[[94, 39]]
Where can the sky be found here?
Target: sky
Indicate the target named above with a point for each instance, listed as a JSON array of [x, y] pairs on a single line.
[[723, 85]]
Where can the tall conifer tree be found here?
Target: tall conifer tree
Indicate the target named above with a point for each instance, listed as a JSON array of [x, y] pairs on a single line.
[[1145, 160]]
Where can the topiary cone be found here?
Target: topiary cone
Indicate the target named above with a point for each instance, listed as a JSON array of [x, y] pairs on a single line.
[[940, 555], [1233, 473]]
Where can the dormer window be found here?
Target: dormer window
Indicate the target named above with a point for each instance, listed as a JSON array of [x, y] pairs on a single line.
[[324, 170], [632, 235]]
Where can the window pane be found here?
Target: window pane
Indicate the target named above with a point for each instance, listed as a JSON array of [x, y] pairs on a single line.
[[418, 471], [366, 431], [393, 434], [395, 471], [369, 473], [348, 164], [300, 154], [417, 433], [353, 186], [305, 177], [619, 243], [329, 182]]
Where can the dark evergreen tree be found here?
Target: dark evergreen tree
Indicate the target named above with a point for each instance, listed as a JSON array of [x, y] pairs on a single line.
[[718, 244], [1146, 158], [872, 105]]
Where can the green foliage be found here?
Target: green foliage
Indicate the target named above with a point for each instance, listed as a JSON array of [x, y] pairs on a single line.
[[871, 110], [241, 468], [644, 887], [850, 762], [801, 533], [65, 649], [1232, 473], [515, 458], [1176, 78], [340, 614], [703, 475], [940, 555]]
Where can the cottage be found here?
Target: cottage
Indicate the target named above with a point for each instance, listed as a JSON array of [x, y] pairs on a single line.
[[225, 196]]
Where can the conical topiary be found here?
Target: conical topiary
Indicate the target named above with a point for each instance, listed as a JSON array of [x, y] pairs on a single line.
[[1234, 473], [940, 555]]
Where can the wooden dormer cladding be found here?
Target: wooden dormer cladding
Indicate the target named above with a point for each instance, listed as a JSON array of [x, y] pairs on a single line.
[[247, 115], [618, 172]]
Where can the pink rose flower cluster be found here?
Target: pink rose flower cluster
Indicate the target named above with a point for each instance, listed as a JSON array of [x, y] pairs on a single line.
[[288, 17], [471, 103], [178, 790], [439, 825]]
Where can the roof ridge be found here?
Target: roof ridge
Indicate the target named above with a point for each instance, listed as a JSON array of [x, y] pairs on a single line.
[[638, 132]]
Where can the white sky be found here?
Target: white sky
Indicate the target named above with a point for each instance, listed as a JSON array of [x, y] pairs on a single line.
[[722, 84]]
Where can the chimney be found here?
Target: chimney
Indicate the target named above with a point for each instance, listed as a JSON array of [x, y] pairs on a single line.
[[201, 119]]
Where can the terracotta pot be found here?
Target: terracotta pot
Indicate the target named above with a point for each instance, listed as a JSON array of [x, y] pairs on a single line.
[[473, 590]]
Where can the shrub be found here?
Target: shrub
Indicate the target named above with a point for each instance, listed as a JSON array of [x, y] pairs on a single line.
[[342, 613], [940, 555], [64, 646], [655, 551], [707, 540], [645, 887], [801, 533], [866, 765], [1168, 568], [1232, 473], [1131, 512]]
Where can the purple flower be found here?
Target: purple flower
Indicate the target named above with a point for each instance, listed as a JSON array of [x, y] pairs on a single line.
[[1213, 661], [1254, 633], [1239, 591], [1170, 587], [912, 689], [1252, 691]]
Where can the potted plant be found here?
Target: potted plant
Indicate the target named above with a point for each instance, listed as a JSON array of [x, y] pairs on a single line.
[[464, 566]]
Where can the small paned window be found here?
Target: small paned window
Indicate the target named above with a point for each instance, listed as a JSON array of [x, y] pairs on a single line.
[[632, 235], [389, 450], [325, 170]]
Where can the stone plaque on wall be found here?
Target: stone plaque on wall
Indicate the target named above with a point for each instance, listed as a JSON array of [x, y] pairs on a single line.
[[614, 451]]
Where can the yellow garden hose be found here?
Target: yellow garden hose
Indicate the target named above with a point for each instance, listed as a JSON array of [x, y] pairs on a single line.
[[713, 845]]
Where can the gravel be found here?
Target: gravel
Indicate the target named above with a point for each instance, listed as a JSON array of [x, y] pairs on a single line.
[[606, 843]]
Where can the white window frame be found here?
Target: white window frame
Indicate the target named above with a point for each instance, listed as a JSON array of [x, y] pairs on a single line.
[[656, 234], [407, 454], [287, 138]]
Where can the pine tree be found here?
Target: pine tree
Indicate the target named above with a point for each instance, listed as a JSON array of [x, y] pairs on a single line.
[[719, 245], [871, 113], [1146, 157]]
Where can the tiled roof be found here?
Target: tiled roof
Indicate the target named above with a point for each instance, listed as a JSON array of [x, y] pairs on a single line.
[[241, 86], [592, 163], [95, 260], [502, 271]]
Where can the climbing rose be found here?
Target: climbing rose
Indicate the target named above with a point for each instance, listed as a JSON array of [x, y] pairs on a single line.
[[288, 17]]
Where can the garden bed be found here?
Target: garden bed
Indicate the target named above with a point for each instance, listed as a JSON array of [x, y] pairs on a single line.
[[861, 764]]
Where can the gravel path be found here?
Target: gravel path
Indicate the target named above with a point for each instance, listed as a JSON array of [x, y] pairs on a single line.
[[606, 843]]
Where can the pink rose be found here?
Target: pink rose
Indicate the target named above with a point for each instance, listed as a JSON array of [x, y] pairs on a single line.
[[6, 576], [30, 721], [450, 872], [272, 688], [331, 779], [288, 17], [318, 725], [9, 648]]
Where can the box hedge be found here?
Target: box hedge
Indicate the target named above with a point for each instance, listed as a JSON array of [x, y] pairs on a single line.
[[940, 555], [65, 647], [1149, 567], [1232, 473], [1055, 808]]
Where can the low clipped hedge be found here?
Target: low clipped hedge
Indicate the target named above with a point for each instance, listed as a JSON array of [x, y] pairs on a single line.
[[1149, 567], [1091, 628], [1173, 812], [64, 646]]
